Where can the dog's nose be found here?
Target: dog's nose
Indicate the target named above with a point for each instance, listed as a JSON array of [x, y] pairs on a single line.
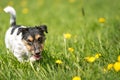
[[37, 52]]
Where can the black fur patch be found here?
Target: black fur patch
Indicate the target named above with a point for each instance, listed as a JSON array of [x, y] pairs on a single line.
[[13, 23], [13, 28], [31, 31]]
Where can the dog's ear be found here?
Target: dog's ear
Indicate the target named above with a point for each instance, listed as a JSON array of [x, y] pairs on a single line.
[[43, 28], [22, 30]]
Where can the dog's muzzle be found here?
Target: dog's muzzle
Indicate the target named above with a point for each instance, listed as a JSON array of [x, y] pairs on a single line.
[[37, 55]]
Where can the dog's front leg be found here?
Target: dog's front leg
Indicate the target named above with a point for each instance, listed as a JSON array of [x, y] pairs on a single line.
[[18, 55]]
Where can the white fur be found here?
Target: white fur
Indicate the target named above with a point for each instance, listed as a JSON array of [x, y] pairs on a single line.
[[15, 45], [13, 41], [12, 12]]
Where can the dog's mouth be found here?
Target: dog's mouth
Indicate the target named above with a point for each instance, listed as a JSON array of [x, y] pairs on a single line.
[[37, 56]]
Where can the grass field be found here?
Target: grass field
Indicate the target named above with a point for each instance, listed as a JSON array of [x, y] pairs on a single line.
[[75, 36]]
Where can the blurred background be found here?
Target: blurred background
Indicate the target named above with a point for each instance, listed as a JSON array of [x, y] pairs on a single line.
[[79, 17], [93, 26]]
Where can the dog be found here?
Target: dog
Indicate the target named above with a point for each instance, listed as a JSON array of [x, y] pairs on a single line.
[[26, 43]]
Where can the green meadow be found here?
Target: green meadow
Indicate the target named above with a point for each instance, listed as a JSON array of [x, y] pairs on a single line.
[[83, 40]]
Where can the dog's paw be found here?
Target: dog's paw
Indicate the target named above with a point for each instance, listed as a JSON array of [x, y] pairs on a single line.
[[32, 59]]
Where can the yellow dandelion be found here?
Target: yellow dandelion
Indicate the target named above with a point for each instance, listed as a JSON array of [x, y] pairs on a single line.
[[58, 62], [72, 1], [40, 2], [90, 59], [70, 49], [116, 66], [110, 66], [97, 55], [67, 35], [118, 58], [25, 11], [76, 78], [11, 3], [23, 3], [101, 20]]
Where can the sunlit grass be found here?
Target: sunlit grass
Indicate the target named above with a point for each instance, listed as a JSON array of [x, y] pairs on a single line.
[[77, 47]]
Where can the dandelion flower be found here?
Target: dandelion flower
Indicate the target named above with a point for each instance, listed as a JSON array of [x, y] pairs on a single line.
[[58, 62], [70, 49], [90, 59], [23, 3], [67, 35], [72, 1], [40, 2], [110, 66], [11, 3], [117, 66], [97, 55], [101, 20], [76, 78], [118, 58], [25, 11]]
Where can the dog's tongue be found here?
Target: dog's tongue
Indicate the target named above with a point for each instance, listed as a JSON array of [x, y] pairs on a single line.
[[37, 57]]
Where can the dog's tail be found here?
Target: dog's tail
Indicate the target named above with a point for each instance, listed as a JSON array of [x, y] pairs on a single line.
[[12, 13]]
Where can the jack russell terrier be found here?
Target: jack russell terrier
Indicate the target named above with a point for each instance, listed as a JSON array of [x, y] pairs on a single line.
[[26, 43]]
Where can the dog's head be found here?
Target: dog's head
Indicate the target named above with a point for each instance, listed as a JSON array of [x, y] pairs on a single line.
[[33, 38]]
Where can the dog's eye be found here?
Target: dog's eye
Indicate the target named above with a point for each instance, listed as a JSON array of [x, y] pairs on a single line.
[[40, 40], [29, 42]]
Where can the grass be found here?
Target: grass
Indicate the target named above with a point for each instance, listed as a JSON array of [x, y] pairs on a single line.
[[88, 37]]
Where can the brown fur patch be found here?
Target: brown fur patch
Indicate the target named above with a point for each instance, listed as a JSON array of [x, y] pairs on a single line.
[[30, 38], [27, 46], [42, 46], [37, 36]]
